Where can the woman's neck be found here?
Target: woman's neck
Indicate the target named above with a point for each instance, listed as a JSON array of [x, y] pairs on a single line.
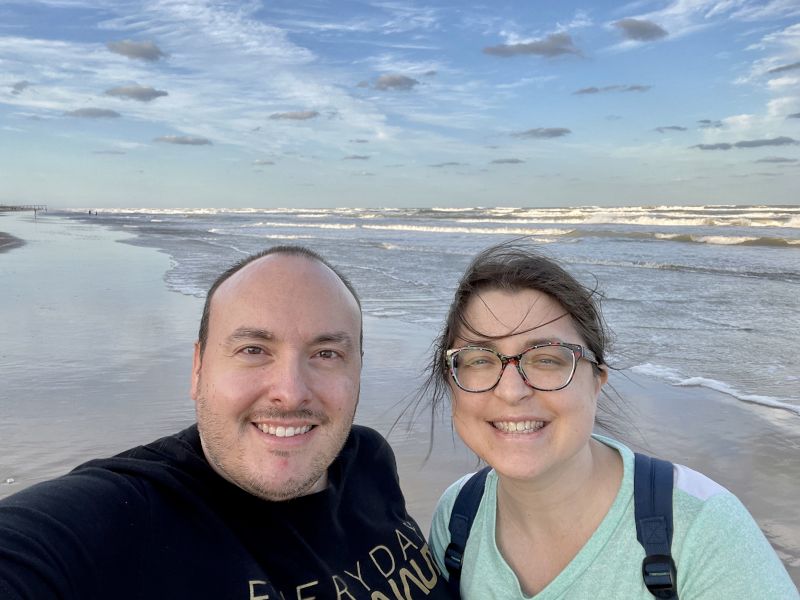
[[588, 482], [543, 523]]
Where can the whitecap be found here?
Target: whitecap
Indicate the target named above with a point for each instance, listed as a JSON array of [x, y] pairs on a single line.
[[676, 378]]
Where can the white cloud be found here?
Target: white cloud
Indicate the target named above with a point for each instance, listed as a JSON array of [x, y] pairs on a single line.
[[388, 62], [739, 123], [210, 29], [775, 71], [525, 81], [778, 108], [774, 9], [183, 140], [405, 17], [684, 17], [781, 83], [217, 58]]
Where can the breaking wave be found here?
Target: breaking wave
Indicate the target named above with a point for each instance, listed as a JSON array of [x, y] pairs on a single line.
[[675, 378]]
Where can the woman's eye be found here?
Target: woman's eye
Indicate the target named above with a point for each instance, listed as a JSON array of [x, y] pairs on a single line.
[[545, 361], [478, 362]]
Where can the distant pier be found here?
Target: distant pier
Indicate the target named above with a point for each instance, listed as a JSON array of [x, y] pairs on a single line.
[[15, 207]]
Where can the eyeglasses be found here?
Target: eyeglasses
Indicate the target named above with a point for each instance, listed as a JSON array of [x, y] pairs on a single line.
[[545, 367]]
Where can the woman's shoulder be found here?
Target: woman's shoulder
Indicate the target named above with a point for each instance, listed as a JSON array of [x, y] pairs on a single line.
[[697, 500], [448, 498], [444, 507], [701, 506], [694, 488], [688, 484], [718, 544]]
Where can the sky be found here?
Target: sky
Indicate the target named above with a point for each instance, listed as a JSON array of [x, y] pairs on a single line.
[[221, 103]]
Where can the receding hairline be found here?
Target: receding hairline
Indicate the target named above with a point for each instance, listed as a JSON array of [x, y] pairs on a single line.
[[286, 256], [232, 274]]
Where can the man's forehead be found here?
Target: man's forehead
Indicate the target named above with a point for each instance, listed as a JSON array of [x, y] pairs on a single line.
[[282, 270], [280, 279]]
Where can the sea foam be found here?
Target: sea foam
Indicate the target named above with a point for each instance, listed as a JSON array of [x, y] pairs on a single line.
[[676, 378]]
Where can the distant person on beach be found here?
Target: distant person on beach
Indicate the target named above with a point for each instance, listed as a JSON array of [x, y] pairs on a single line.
[[522, 357], [274, 493]]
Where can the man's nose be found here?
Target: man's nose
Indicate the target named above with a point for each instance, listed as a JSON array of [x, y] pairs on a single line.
[[289, 383]]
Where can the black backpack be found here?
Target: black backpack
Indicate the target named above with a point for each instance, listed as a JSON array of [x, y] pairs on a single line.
[[652, 497]]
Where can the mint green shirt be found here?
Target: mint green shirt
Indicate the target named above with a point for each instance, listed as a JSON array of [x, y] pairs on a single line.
[[719, 551]]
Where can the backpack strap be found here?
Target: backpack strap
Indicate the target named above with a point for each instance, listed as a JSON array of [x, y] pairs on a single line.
[[461, 517], [652, 496]]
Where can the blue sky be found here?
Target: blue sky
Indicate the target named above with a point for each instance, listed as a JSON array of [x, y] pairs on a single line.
[[188, 103]]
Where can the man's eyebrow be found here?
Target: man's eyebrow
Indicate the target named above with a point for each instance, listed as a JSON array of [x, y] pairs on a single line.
[[336, 337], [254, 333], [250, 333]]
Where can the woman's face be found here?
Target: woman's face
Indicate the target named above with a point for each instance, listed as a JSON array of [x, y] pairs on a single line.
[[521, 432]]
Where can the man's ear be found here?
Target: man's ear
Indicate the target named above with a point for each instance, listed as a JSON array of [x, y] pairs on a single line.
[[196, 364]]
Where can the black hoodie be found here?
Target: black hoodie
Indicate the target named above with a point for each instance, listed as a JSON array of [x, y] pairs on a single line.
[[158, 522]]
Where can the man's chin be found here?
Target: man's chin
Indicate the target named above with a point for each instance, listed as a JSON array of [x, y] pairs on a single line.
[[286, 490]]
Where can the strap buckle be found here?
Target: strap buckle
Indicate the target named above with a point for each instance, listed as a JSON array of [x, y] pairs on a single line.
[[453, 558], [659, 574]]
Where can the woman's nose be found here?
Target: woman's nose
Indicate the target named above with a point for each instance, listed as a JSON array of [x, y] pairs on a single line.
[[512, 387]]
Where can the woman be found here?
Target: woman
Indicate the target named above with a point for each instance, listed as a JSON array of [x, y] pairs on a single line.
[[522, 357]]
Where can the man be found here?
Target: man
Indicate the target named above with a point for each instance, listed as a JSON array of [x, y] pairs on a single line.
[[273, 494]]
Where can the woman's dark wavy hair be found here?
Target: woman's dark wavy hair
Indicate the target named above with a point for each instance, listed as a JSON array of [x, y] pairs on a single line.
[[511, 266]]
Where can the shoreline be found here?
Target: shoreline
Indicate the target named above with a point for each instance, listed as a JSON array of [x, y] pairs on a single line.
[[124, 382]]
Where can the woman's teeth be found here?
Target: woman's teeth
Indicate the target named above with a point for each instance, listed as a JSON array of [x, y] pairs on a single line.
[[518, 426]]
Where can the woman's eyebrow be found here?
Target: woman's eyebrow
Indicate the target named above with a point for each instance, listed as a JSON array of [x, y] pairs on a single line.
[[528, 343], [542, 341]]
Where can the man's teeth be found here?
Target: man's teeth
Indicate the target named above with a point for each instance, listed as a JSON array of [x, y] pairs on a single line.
[[281, 431], [518, 426]]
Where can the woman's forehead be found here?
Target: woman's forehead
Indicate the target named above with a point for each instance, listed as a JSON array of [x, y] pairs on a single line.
[[495, 312]]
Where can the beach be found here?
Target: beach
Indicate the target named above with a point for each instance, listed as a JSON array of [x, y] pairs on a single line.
[[7, 242], [96, 356]]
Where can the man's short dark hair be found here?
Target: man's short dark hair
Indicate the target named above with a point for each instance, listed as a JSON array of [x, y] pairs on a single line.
[[202, 336]]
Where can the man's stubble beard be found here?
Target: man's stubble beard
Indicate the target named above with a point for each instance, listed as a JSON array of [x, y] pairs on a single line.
[[222, 454]]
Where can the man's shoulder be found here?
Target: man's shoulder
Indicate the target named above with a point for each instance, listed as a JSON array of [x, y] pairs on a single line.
[[84, 506], [119, 480], [180, 446], [366, 455], [368, 445], [367, 435]]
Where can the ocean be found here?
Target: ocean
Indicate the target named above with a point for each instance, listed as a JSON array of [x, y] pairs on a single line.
[[695, 296]]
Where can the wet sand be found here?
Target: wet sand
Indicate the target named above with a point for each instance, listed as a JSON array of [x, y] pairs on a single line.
[[7, 242], [96, 357]]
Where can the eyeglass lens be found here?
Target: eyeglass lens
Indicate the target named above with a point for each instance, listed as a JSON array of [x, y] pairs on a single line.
[[546, 368]]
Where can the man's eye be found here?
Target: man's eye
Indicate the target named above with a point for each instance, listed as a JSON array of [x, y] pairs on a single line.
[[252, 350], [327, 354]]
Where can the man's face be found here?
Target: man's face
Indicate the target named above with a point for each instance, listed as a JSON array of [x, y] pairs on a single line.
[[277, 385]]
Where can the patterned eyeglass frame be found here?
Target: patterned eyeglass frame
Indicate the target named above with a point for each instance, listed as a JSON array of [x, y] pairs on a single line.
[[578, 353]]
